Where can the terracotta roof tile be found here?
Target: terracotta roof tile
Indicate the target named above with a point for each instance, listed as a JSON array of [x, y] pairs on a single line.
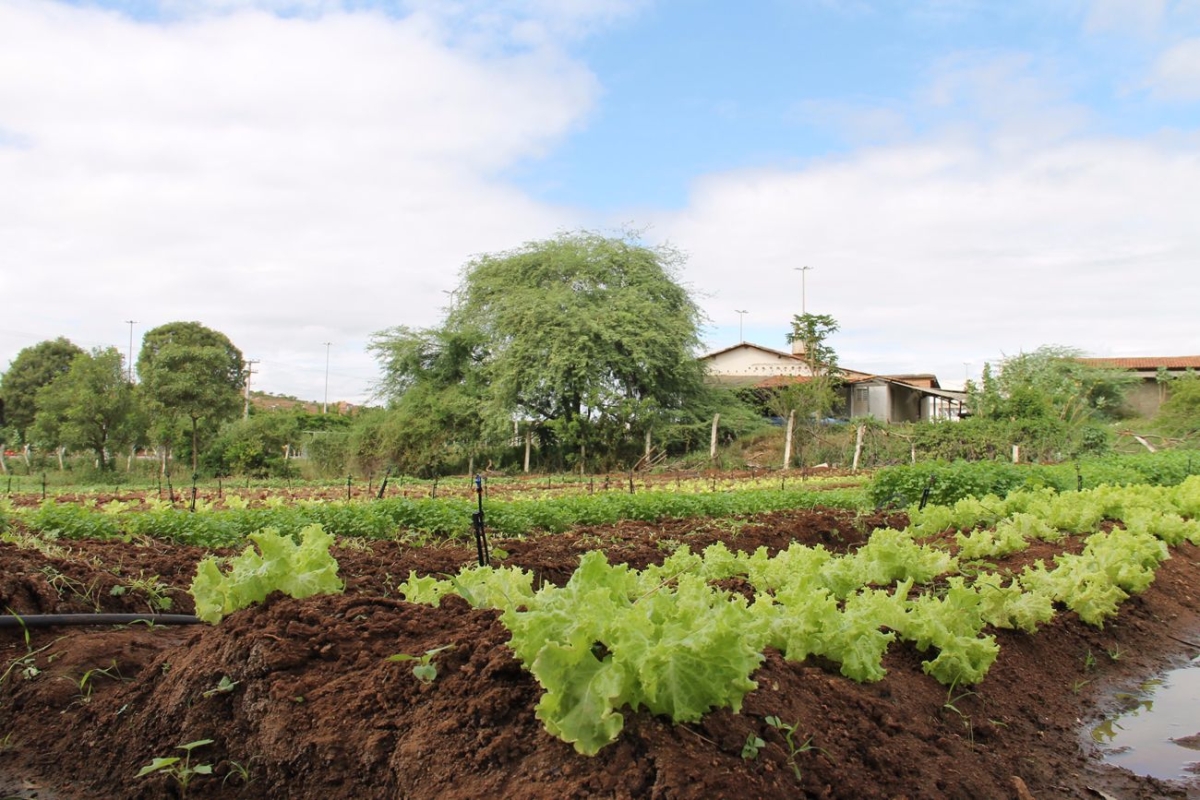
[[1147, 362]]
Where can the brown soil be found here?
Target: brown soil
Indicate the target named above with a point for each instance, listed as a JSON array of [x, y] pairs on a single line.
[[317, 710]]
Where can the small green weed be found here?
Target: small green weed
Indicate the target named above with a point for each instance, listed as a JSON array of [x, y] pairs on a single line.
[[88, 679], [753, 744], [425, 670], [789, 737], [224, 686], [180, 768], [951, 704], [156, 592]]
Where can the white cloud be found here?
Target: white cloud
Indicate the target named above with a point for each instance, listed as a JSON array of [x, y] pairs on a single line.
[[1176, 73], [287, 181], [933, 254], [1125, 16]]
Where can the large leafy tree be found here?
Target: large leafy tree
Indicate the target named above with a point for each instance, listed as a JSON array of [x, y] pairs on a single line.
[[1049, 383], [92, 406], [1048, 401], [591, 338], [437, 385], [192, 373], [33, 368]]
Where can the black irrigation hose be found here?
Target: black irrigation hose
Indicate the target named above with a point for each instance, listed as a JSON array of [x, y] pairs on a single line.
[[52, 620]]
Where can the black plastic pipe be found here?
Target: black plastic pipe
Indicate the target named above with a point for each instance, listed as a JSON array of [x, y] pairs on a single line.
[[52, 620]]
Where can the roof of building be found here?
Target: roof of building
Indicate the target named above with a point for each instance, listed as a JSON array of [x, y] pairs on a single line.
[[739, 345], [1146, 362], [923, 380]]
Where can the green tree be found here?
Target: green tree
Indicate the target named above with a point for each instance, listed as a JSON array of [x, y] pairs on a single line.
[[92, 406], [259, 446], [589, 338], [816, 394], [33, 368], [1049, 401], [193, 373], [1049, 383], [1179, 414], [437, 385]]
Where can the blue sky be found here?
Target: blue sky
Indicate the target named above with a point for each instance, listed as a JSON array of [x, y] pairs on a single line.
[[966, 179], [697, 87]]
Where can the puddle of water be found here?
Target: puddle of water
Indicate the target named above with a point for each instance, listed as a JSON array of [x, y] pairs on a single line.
[[1157, 730]]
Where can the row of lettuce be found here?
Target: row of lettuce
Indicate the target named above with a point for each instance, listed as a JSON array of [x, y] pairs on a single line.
[[416, 519], [670, 640], [895, 487]]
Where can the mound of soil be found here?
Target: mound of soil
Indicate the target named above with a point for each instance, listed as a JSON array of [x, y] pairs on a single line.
[[301, 701]]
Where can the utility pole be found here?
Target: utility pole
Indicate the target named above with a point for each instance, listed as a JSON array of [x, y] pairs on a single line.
[[803, 290], [325, 404], [131, 323], [741, 318], [249, 372]]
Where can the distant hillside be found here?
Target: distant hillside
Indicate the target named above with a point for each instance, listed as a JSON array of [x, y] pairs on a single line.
[[277, 402]]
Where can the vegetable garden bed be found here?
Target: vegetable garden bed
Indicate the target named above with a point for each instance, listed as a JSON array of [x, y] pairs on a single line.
[[302, 699]]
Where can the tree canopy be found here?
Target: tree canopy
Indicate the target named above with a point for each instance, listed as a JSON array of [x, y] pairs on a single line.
[[590, 338], [1179, 415], [91, 406], [1050, 383], [33, 368], [190, 370], [815, 396]]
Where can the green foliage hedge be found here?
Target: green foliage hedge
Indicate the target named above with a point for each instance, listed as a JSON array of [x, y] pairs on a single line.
[[950, 481]]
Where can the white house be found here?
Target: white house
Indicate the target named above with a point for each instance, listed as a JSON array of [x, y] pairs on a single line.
[[889, 398]]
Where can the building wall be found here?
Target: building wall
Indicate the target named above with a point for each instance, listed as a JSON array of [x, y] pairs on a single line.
[[748, 362], [905, 406], [880, 406], [1145, 398]]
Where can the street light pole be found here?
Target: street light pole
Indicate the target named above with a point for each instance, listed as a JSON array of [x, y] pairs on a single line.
[[325, 404], [803, 290], [741, 317], [131, 323]]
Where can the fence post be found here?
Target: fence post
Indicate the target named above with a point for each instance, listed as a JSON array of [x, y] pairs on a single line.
[[528, 440], [787, 442]]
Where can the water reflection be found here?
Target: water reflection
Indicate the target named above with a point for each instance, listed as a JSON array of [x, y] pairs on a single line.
[[1156, 731]]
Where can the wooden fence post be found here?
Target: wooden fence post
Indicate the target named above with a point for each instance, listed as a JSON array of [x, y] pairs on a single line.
[[787, 442]]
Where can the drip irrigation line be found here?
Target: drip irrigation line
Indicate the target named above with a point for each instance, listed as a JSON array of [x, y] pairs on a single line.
[[53, 620]]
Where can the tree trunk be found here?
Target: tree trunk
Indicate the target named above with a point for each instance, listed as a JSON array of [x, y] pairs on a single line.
[[528, 445], [3, 466], [61, 452], [712, 444], [858, 442]]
